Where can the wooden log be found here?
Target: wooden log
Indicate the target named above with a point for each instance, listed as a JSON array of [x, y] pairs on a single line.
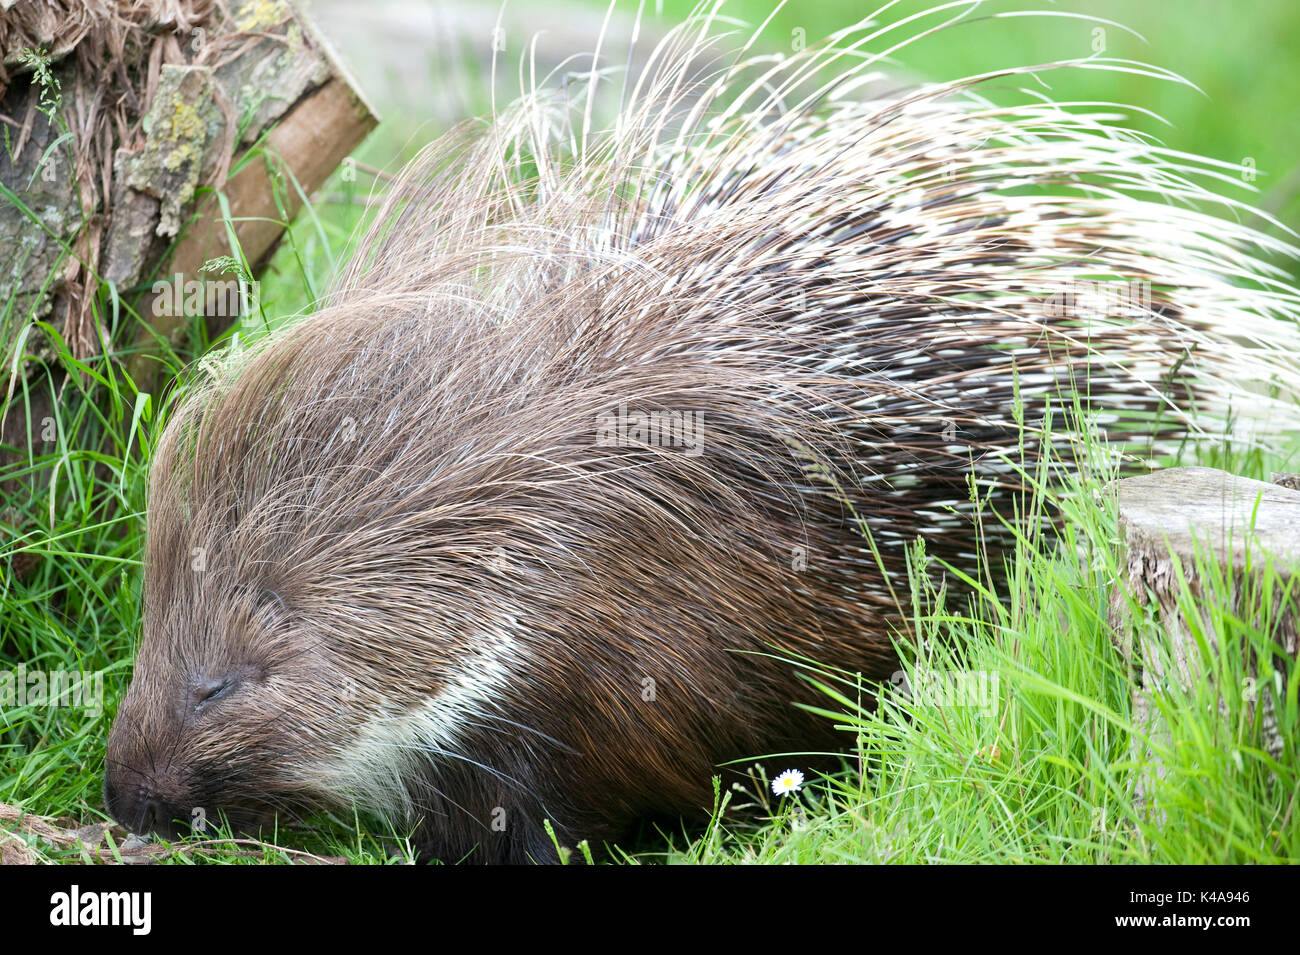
[[1171, 523], [315, 117], [113, 130], [310, 142]]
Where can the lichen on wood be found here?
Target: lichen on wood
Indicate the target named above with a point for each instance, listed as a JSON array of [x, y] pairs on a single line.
[[119, 123], [156, 102], [180, 124]]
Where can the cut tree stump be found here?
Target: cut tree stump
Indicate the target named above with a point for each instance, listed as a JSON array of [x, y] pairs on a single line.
[[1172, 522]]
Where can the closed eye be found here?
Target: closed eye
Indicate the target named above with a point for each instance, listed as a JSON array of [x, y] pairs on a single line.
[[211, 691]]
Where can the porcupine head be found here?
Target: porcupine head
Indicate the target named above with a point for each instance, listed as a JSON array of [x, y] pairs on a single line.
[[430, 552]]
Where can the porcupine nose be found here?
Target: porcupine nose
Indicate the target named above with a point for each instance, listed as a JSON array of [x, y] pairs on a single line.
[[141, 810], [153, 814]]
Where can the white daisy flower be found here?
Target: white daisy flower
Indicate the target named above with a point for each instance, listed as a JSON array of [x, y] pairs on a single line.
[[788, 782]]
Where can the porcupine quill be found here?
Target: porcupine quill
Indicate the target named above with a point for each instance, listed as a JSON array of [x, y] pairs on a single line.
[[442, 549]]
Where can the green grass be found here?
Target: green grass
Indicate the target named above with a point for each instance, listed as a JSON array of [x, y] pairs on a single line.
[[1042, 769], [1016, 743], [1044, 772]]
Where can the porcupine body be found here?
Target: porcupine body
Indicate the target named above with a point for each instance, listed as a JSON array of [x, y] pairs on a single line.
[[421, 552]]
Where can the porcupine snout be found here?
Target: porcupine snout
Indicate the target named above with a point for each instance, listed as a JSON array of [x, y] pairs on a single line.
[[156, 801], [154, 781], [227, 697]]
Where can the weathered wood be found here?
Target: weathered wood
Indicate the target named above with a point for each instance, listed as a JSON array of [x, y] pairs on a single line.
[[1171, 519], [310, 142], [1180, 508], [100, 195], [107, 154]]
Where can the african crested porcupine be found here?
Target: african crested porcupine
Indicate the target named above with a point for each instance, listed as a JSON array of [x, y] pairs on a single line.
[[525, 521]]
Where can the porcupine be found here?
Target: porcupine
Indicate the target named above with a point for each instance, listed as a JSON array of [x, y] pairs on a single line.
[[419, 553]]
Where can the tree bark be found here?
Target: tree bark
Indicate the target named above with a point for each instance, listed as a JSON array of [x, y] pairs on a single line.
[[119, 127]]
